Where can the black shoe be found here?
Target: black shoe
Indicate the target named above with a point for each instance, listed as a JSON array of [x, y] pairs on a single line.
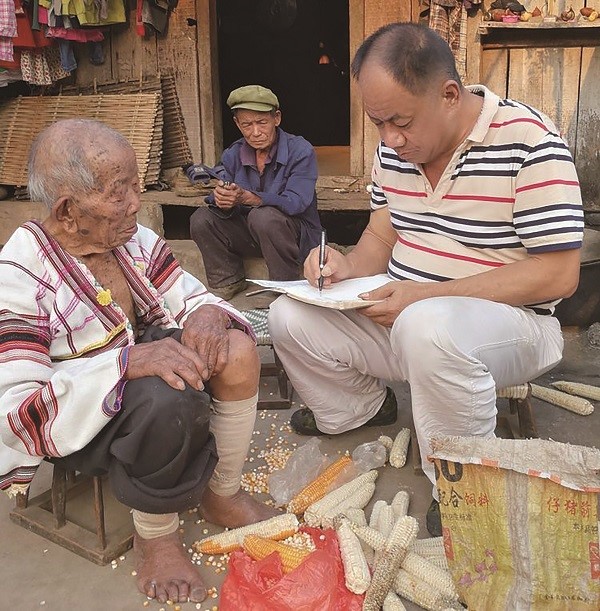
[[303, 420], [434, 519]]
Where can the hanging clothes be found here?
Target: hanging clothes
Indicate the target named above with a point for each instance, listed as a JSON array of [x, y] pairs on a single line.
[[8, 29]]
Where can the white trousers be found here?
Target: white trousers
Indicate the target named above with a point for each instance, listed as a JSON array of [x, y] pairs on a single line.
[[453, 351]]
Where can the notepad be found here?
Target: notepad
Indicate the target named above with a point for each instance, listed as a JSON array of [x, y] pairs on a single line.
[[339, 296]]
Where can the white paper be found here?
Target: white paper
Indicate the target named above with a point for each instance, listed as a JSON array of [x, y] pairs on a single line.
[[341, 295]]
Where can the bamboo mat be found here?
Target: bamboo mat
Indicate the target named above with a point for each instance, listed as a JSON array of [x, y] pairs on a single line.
[[137, 116], [176, 148]]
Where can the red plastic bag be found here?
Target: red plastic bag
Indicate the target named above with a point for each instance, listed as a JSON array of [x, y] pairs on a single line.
[[316, 585]]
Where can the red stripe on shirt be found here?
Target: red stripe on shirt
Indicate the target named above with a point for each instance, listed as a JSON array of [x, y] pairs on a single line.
[[523, 120], [547, 183], [483, 198], [403, 192], [447, 255]]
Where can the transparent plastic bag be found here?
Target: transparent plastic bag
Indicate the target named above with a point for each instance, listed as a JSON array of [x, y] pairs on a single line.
[[303, 465], [370, 455]]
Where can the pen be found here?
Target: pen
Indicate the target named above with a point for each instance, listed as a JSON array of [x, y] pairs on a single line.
[[322, 246]]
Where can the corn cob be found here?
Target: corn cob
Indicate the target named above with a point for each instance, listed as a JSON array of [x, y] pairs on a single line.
[[359, 499], [400, 503], [392, 602], [335, 497], [356, 570], [373, 538], [357, 516], [386, 520], [420, 592], [279, 527], [259, 547], [400, 449], [387, 443], [319, 487], [374, 518], [432, 550], [556, 397], [420, 567], [513, 392], [582, 390], [392, 556]]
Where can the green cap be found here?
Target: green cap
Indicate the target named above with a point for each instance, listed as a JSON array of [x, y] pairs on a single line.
[[253, 97]]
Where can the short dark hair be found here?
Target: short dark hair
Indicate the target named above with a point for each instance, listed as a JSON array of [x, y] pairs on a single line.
[[414, 55]]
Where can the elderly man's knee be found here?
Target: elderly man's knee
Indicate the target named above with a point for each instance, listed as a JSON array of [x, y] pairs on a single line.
[[243, 355], [265, 219]]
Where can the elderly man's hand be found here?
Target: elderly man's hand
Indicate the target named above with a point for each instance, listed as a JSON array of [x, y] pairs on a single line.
[[205, 332], [168, 359]]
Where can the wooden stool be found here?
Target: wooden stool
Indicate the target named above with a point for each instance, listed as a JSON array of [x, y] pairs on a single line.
[[47, 516], [519, 404], [258, 320]]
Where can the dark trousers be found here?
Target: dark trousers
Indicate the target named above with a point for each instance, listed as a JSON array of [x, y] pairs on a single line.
[[263, 231], [158, 451]]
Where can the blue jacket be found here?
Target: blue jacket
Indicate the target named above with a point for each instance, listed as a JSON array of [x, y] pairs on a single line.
[[288, 181]]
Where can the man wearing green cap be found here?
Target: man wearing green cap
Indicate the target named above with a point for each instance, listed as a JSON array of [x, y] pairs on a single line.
[[265, 205]]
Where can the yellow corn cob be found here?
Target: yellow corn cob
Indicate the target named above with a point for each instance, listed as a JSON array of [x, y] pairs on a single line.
[[562, 399], [400, 449], [387, 567], [420, 592], [356, 570], [279, 527], [329, 501], [392, 602], [374, 518], [359, 499], [319, 487], [420, 567], [582, 390], [259, 547], [400, 503]]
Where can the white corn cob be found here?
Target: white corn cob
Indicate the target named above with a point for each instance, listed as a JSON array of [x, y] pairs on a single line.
[[400, 448], [356, 570], [335, 497], [393, 553], [431, 549], [279, 527], [400, 504], [420, 592], [420, 567], [359, 499], [386, 520], [562, 399], [374, 518], [582, 390], [392, 602], [357, 516], [387, 443], [373, 538]]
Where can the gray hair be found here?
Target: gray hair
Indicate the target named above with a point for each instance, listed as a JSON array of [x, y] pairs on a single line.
[[63, 159], [414, 55]]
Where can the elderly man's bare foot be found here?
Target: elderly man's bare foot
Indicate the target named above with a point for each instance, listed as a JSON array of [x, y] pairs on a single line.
[[239, 509], [165, 572]]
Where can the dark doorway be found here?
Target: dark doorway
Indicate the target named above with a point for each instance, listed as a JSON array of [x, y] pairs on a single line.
[[297, 48]]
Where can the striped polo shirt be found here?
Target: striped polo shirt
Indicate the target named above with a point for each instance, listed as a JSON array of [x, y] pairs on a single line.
[[510, 190]]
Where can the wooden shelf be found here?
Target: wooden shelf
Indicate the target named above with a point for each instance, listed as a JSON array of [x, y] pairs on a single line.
[[577, 33]]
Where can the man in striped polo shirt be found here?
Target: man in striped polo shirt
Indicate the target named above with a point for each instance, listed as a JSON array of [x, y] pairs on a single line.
[[476, 216]]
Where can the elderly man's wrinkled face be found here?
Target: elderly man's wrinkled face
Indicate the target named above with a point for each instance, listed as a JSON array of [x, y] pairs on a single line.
[[258, 128], [108, 217]]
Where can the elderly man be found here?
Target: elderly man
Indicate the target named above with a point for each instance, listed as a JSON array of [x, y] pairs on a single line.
[[265, 205], [115, 360], [476, 216]]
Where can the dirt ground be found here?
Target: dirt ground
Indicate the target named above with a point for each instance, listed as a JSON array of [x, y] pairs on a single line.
[[38, 574]]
